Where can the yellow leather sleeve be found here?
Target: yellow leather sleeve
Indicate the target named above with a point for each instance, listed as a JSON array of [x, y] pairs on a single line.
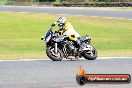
[[67, 26]]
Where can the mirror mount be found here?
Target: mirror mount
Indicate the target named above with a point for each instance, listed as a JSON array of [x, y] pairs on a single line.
[[53, 24]]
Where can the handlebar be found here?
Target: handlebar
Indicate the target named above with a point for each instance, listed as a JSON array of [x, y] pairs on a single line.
[[53, 24]]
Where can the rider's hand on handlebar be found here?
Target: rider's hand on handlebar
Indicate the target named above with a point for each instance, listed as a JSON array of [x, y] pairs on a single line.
[[56, 32]]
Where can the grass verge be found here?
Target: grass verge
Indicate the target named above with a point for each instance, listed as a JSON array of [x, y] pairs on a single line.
[[20, 34]]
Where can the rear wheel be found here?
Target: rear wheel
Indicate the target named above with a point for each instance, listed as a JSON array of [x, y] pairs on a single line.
[[90, 55], [50, 51]]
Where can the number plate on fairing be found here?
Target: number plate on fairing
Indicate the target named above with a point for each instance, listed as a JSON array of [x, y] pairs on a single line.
[[88, 47]]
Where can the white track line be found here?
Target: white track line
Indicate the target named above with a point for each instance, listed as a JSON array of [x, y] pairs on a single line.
[[65, 59]]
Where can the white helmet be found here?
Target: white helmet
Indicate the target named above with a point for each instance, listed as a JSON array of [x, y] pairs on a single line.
[[61, 20]]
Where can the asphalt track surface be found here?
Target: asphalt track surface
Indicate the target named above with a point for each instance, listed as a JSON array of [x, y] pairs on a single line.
[[61, 74], [118, 13]]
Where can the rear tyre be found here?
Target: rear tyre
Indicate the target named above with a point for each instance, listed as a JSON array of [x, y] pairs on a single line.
[[90, 56], [50, 51]]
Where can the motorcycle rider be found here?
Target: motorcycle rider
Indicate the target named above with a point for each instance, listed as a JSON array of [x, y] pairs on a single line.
[[65, 28]]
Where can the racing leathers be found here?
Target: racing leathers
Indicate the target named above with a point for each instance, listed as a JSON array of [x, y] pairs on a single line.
[[68, 30]]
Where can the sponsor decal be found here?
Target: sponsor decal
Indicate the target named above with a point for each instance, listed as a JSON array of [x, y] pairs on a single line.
[[83, 78]]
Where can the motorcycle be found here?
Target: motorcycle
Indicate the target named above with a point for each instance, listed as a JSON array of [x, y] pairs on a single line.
[[60, 46]]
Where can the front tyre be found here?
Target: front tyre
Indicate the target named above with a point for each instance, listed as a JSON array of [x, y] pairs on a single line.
[[50, 51], [90, 55]]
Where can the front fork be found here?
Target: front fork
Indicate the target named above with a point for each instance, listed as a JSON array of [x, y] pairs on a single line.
[[56, 51]]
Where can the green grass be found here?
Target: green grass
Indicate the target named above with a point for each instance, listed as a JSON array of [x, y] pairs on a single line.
[[20, 34], [57, 2], [3, 1]]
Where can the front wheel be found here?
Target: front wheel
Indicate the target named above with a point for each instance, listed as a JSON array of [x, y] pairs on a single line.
[[50, 51], [90, 55]]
